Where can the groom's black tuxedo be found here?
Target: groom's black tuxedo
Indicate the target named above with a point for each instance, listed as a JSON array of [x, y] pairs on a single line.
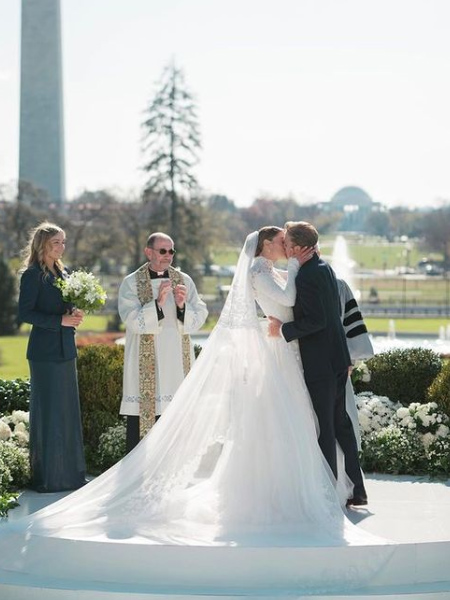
[[318, 328]]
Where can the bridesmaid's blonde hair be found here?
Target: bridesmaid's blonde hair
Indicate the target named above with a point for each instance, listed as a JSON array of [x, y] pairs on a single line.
[[38, 239]]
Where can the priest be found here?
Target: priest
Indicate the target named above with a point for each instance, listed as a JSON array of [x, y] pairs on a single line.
[[160, 307]]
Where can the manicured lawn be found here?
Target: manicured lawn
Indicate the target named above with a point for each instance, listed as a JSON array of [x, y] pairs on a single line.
[[13, 348], [409, 326], [13, 362], [90, 323], [12, 357]]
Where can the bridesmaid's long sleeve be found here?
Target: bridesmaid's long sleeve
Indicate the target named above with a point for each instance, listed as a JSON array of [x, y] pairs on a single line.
[[28, 313]]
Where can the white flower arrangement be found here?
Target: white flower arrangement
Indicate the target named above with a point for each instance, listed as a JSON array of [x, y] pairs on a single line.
[[83, 290], [111, 447], [5, 431], [19, 417], [375, 412], [14, 428], [425, 419], [419, 434]]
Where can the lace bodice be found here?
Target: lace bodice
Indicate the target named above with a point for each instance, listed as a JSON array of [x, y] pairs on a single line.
[[274, 289]]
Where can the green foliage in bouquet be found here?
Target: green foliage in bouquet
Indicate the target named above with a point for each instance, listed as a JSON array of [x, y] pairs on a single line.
[[100, 373], [403, 375], [439, 390], [14, 395]]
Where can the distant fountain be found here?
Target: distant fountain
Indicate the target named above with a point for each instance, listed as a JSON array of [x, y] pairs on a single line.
[[391, 329], [447, 336], [341, 262], [442, 333]]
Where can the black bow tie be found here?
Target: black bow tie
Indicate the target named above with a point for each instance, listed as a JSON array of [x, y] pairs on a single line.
[[158, 274]]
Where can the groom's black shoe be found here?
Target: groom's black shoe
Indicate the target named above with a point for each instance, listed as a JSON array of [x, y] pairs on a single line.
[[357, 501]]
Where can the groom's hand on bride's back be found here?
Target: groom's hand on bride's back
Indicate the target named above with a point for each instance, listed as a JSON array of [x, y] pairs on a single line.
[[274, 327]]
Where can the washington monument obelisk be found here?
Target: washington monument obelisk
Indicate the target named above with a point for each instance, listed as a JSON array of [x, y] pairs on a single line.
[[41, 161]]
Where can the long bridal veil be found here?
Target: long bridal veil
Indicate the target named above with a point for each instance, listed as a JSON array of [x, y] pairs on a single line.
[[234, 457]]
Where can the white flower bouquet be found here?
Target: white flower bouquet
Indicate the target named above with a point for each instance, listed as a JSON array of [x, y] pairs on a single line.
[[83, 290], [360, 372]]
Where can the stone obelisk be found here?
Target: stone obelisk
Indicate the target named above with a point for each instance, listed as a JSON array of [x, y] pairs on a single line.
[[41, 161]]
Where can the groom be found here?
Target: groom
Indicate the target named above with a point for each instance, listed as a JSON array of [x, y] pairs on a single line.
[[318, 328]]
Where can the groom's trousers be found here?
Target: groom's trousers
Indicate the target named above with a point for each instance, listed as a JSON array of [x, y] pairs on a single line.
[[328, 399]]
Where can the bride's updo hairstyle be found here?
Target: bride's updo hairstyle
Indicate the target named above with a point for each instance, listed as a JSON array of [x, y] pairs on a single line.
[[302, 233], [266, 233]]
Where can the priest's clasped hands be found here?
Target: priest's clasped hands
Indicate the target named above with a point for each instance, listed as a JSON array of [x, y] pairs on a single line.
[[179, 293]]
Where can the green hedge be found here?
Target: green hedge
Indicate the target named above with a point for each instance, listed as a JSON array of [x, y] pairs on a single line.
[[403, 375], [439, 390], [14, 395], [17, 462], [100, 374]]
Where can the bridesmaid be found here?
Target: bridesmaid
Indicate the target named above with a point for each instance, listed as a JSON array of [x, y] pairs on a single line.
[[56, 441]]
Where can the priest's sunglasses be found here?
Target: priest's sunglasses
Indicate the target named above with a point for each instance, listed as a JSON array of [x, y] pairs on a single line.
[[164, 251]]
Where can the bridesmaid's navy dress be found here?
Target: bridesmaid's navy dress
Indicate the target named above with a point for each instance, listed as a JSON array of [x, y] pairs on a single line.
[[56, 440]]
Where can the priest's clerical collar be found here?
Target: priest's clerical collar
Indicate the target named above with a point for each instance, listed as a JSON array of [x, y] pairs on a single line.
[[158, 274]]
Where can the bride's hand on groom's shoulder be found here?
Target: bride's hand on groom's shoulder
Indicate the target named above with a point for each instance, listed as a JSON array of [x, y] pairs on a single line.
[[274, 327]]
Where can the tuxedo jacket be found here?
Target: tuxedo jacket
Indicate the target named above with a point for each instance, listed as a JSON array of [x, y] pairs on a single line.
[[42, 305], [317, 322]]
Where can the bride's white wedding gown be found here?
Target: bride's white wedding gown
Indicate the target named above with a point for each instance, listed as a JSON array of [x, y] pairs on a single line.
[[233, 461]]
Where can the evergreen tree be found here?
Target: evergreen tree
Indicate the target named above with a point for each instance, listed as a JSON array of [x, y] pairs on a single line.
[[172, 140], [8, 302]]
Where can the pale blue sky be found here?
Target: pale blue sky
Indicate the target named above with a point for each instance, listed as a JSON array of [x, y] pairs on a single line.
[[295, 96]]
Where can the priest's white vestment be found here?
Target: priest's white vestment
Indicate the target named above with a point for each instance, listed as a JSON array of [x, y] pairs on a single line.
[[158, 352]]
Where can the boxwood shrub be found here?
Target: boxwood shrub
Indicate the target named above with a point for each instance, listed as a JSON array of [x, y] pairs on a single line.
[[403, 375], [100, 373], [14, 395], [439, 390]]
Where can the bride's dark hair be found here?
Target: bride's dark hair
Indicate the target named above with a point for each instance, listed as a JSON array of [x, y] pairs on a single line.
[[266, 233]]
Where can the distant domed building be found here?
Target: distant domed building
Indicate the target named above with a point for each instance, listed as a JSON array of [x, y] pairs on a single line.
[[355, 205]]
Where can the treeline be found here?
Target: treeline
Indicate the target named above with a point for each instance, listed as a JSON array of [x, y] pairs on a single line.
[[107, 231]]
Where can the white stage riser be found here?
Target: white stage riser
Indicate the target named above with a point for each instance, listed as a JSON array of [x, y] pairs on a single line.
[[27, 593], [193, 572]]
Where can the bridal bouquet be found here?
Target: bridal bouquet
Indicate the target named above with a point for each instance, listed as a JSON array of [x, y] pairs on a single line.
[[83, 290]]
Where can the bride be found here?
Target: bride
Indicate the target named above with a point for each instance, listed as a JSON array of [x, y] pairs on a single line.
[[235, 458]]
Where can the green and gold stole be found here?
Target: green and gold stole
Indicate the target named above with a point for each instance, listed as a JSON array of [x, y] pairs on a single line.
[[147, 355]]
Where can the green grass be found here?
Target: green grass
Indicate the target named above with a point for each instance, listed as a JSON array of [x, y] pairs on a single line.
[[13, 348], [225, 256], [370, 252], [13, 362], [409, 326], [90, 323]]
